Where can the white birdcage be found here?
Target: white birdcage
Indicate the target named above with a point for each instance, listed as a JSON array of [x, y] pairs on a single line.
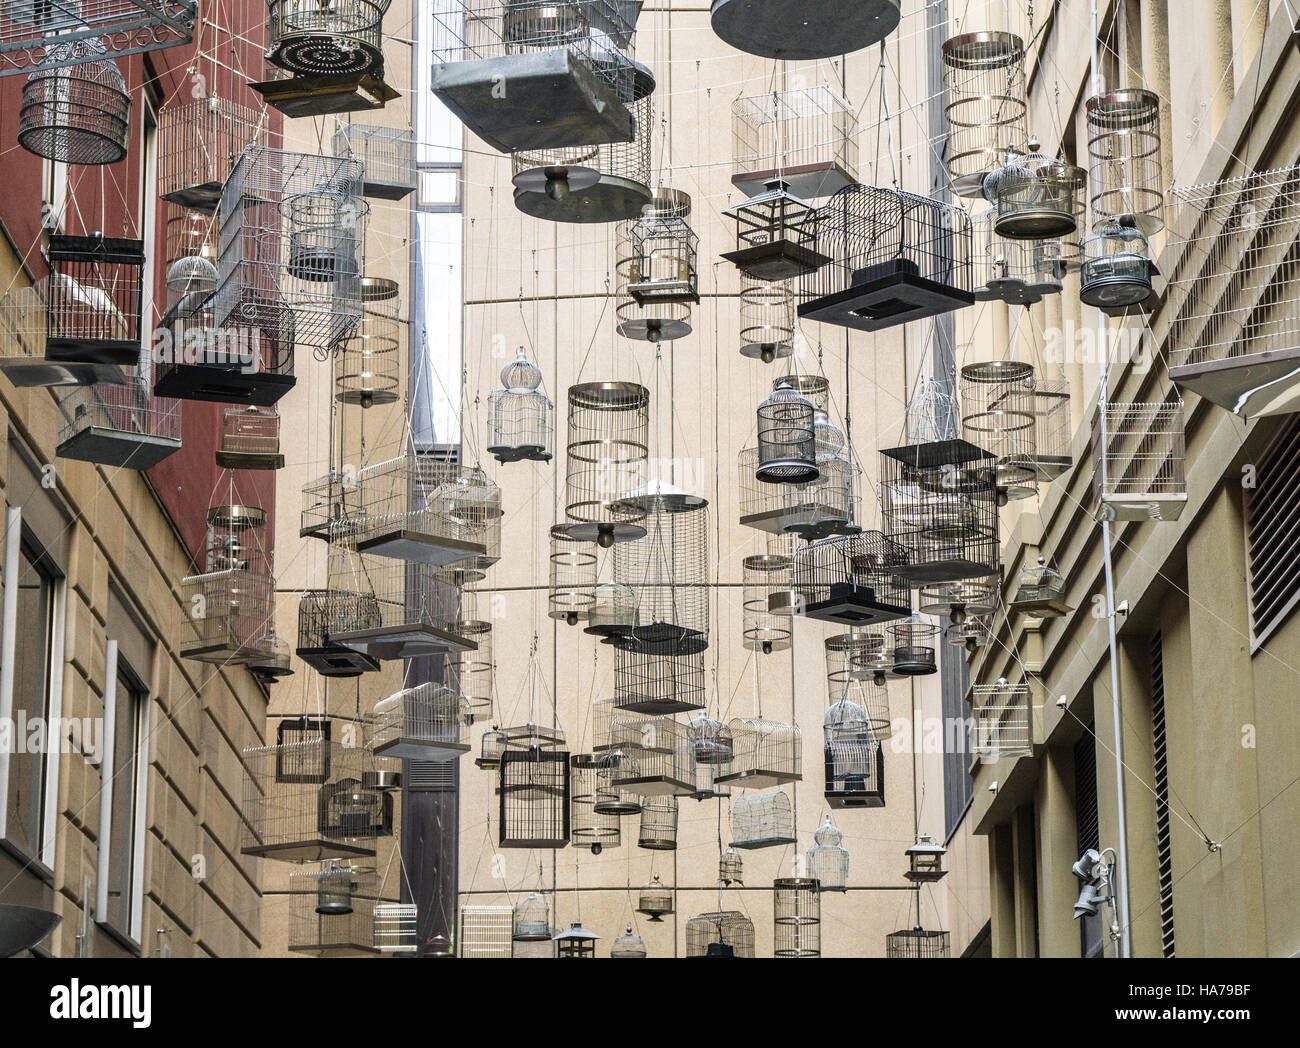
[[766, 319], [198, 143], [118, 425], [762, 820], [1041, 592], [984, 102], [1138, 454], [531, 920], [1003, 725], [613, 611], [425, 722], [388, 154], [521, 418], [828, 859], [807, 136], [396, 927]]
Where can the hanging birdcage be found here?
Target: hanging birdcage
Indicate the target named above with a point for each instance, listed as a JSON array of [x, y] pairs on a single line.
[[33, 31], [533, 791], [762, 505], [828, 859], [925, 861], [368, 359], [658, 825], [764, 574], [859, 701], [984, 102], [1018, 272], [851, 579], [250, 439], [895, 257], [787, 446], [762, 820], [589, 827], [575, 941], [939, 501], [613, 611], [656, 267], [187, 234], [1053, 432], [1041, 592], [806, 136], [814, 388], [318, 612], [606, 721], [77, 110], [1235, 334], [792, 31], [228, 608], [93, 299], [628, 945], [828, 505], [571, 590], [326, 504], [296, 95], [1138, 453], [1002, 713], [388, 154], [530, 920], [725, 933], [972, 634], [396, 927], [326, 37], [198, 142], [998, 417], [1124, 148], [661, 757], [776, 235], [797, 917], [766, 319], [959, 600], [334, 887], [917, 942], [731, 869], [521, 418], [612, 764], [276, 660], [711, 742], [658, 684], [1037, 197], [1116, 272], [569, 67], [471, 672], [914, 649], [492, 744], [328, 914], [855, 773], [120, 425], [425, 722], [609, 434], [932, 413]]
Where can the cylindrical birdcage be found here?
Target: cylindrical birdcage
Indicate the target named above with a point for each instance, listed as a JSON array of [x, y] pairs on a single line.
[[828, 505], [188, 233], [727, 933], [616, 765], [828, 859], [571, 592], [613, 611], [959, 600], [1037, 198], [763, 575], [658, 824], [589, 827], [368, 361], [1115, 273], [787, 444], [76, 113], [334, 887], [998, 416], [530, 920], [1124, 147], [326, 37], [198, 142], [656, 267], [766, 319], [609, 439], [807, 135], [492, 744], [521, 418], [859, 701], [797, 917], [917, 942], [984, 102], [654, 900], [472, 673], [914, 654]]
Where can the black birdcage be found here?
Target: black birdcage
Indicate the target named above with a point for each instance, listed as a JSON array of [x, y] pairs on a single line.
[[76, 108], [658, 684], [914, 646], [33, 32], [318, 611], [895, 257], [855, 773], [787, 438], [851, 580], [533, 790], [94, 304], [776, 235]]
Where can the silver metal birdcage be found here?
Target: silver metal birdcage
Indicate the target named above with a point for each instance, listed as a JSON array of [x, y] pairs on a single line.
[[854, 773], [1138, 461], [531, 920], [731, 869], [388, 154], [917, 943], [275, 662], [764, 753], [1040, 592], [725, 933], [629, 945], [571, 592], [959, 600], [327, 503], [36, 35], [521, 417], [332, 910], [914, 645], [396, 927], [199, 141], [998, 416], [533, 795], [827, 505], [326, 37], [828, 859], [1053, 431], [588, 826], [613, 611], [762, 820], [894, 257], [766, 319], [658, 830], [807, 136], [764, 574], [227, 610], [187, 234], [1002, 715], [762, 505], [655, 901], [1037, 197], [658, 684], [791, 31], [1124, 154], [368, 360], [569, 64], [1235, 334], [656, 268], [852, 579], [1018, 272], [608, 445], [796, 917], [859, 701], [425, 722], [118, 425], [776, 235], [320, 612], [250, 439], [1116, 270], [787, 445], [472, 672], [661, 756], [492, 744], [984, 102]]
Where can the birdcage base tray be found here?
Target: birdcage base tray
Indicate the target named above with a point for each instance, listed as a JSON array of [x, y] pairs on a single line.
[[657, 707], [380, 190], [611, 199], [222, 385], [853, 607], [315, 850], [1052, 608], [523, 453], [854, 800], [112, 447], [802, 32], [337, 661], [806, 181], [655, 844], [884, 296], [225, 653], [953, 570], [764, 842], [1045, 224], [388, 643], [420, 548], [757, 779], [1049, 467], [307, 96], [653, 292], [576, 176], [1252, 385], [249, 460], [655, 786], [317, 52], [656, 330], [1144, 507], [776, 260], [203, 197], [584, 531], [123, 352], [554, 101], [27, 372], [335, 949], [660, 639], [416, 749]]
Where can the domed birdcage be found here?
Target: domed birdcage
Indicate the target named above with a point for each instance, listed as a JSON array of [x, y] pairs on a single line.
[[914, 653], [852, 580], [726, 933], [628, 946], [776, 235], [797, 917], [855, 773], [368, 360], [571, 591], [608, 445], [828, 505], [763, 575], [795, 32], [590, 827], [1124, 149], [731, 869], [762, 820], [1041, 592], [198, 141], [658, 824], [521, 418], [859, 707], [186, 234], [999, 417], [828, 859], [531, 920], [655, 901], [984, 102], [331, 38], [613, 611], [492, 744], [711, 741], [932, 414], [320, 613], [1117, 269], [656, 266], [766, 319], [78, 110], [787, 445], [1038, 198]]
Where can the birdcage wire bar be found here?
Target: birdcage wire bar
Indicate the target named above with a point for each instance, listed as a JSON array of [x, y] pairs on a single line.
[[531, 920], [1138, 453], [1003, 727], [762, 505], [1124, 154], [198, 142], [1235, 334], [250, 439], [796, 917], [346, 932], [589, 827], [828, 859], [850, 579], [766, 319], [521, 417], [320, 612], [776, 235], [36, 36], [93, 299], [984, 104], [425, 722], [367, 368], [1018, 272], [917, 943], [472, 672], [533, 794], [658, 830], [572, 582], [808, 135], [661, 757], [485, 932], [724, 933], [388, 154], [762, 820], [762, 575], [655, 900], [998, 416], [894, 257], [1053, 431], [116, 424], [608, 445], [854, 774], [658, 684]]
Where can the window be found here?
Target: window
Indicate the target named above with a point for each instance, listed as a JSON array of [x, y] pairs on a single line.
[[1272, 511], [121, 801]]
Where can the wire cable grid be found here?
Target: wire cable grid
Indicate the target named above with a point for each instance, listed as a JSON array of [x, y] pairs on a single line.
[[763, 820], [806, 136], [37, 34]]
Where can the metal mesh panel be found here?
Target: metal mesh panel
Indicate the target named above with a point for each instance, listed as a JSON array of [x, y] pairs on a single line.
[[762, 820], [764, 753], [998, 417], [425, 722], [609, 433], [1124, 150], [388, 154], [726, 933], [35, 34], [533, 790], [198, 143], [1138, 460], [808, 134], [797, 917], [984, 102], [1002, 726]]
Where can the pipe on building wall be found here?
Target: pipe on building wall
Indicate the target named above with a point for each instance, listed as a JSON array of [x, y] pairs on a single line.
[[8, 635]]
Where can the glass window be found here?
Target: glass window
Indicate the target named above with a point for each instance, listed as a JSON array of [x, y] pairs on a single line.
[[124, 789]]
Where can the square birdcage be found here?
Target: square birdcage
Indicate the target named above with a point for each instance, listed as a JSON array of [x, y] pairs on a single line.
[[396, 927], [93, 299], [658, 684], [485, 932], [533, 794], [569, 65], [388, 154], [725, 933], [762, 820], [1002, 715], [851, 580], [198, 143], [796, 917], [895, 257], [776, 235], [1235, 337], [425, 722], [659, 757], [250, 439], [764, 753], [917, 943], [854, 773], [762, 505], [328, 912], [1053, 428], [984, 103], [333, 38], [33, 33], [1041, 592], [319, 612], [589, 826], [226, 616], [806, 136], [118, 425], [1138, 454], [939, 501]]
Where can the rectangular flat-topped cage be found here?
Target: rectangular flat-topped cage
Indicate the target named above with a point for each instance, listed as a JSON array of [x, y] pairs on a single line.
[[1053, 432], [1235, 337], [764, 753], [226, 617], [895, 257], [198, 142], [93, 299], [533, 795], [661, 757], [762, 820], [1002, 724], [854, 773], [396, 927], [1138, 456], [24, 319], [425, 722], [34, 34], [328, 912], [850, 579], [388, 154], [326, 504], [322, 611], [250, 439], [806, 135], [917, 943], [118, 425], [658, 684], [570, 67]]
